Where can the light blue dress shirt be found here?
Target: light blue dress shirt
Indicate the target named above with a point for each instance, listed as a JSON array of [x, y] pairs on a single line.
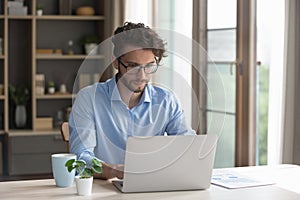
[[100, 122]]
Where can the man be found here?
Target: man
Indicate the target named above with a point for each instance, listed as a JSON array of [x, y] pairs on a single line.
[[104, 115]]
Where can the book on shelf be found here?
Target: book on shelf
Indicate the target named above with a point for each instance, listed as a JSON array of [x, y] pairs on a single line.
[[40, 84]]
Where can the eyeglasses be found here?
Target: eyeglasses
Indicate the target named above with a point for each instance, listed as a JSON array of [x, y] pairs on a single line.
[[134, 69]]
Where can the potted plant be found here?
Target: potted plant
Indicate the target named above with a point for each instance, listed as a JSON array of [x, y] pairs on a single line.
[[39, 10], [84, 178], [90, 42], [51, 87], [20, 96]]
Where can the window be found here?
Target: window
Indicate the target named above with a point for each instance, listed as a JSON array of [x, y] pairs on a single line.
[[221, 48]]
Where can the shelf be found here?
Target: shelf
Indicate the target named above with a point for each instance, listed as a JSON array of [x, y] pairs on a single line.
[[26, 132], [20, 17], [70, 17], [2, 97], [1, 16], [55, 96], [56, 17], [68, 57], [2, 56]]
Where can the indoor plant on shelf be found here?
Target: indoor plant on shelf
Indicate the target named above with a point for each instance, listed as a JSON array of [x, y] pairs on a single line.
[[84, 178], [39, 10], [20, 96], [51, 87], [89, 43]]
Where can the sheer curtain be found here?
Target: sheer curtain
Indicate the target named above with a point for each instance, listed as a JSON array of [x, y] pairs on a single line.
[[290, 148], [139, 11], [276, 23]]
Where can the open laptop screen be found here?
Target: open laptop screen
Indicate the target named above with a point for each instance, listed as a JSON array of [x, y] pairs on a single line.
[[164, 163]]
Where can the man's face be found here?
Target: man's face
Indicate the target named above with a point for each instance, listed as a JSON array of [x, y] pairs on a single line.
[[135, 82]]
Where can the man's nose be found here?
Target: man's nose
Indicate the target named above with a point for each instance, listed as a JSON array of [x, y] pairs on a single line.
[[141, 73]]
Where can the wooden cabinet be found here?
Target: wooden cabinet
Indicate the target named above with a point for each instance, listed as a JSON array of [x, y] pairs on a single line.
[[30, 152]]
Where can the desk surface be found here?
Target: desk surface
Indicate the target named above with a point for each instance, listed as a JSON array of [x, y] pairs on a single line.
[[46, 189]]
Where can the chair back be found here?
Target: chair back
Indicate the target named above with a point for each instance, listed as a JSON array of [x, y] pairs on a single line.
[[64, 130]]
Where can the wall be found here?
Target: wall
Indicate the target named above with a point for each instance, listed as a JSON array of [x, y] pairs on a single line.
[[296, 148]]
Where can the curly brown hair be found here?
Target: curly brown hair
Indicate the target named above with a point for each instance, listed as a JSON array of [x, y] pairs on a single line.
[[137, 35]]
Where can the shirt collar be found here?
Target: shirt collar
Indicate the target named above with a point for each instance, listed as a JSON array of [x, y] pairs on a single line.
[[115, 95], [146, 94], [113, 90]]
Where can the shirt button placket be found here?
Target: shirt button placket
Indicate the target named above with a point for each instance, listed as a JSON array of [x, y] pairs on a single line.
[[130, 123]]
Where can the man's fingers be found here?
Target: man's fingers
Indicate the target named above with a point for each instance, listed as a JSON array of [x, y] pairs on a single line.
[[112, 171]]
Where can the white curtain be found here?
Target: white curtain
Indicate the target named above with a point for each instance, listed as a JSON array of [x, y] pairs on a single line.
[[277, 80], [290, 149], [139, 11]]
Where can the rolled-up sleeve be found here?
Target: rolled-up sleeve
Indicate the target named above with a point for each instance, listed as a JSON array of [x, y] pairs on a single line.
[[82, 126], [177, 124]]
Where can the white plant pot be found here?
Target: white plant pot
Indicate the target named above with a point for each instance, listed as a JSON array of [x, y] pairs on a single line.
[[39, 12], [84, 186], [90, 49], [51, 90]]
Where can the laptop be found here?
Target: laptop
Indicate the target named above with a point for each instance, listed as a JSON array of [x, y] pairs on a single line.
[[167, 163]]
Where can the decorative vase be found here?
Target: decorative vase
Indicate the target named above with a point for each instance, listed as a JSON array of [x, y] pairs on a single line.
[[20, 116], [84, 185]]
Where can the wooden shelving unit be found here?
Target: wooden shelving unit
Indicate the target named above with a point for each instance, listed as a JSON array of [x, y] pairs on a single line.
[[3, 70], [56, 96], [68, 17], [20, 63], [68, 57]]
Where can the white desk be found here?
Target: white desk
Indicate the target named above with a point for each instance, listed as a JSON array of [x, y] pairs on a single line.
[[287, 176]]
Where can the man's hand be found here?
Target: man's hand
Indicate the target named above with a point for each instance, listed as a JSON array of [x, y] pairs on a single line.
[[111, 171]]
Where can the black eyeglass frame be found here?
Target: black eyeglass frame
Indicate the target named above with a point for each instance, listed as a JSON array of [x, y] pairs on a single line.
[[139, 67]]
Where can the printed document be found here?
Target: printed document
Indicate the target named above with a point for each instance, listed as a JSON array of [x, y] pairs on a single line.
[[232, 180]]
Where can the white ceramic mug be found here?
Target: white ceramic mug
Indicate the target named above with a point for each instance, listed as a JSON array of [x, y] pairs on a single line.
[[62, 177]]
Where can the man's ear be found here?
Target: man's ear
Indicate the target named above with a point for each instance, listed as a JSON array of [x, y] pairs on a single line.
[[115, 63]]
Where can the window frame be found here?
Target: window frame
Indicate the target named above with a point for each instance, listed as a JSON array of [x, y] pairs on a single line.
[[245, 128]]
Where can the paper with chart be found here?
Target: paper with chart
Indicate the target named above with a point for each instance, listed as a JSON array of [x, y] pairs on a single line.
[[231, 180]]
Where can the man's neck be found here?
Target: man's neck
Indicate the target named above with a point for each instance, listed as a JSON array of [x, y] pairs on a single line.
[[129, 97]]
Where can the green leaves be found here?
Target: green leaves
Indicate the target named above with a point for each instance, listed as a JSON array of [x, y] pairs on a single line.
[[97, 166], [90, 39], [19, 94], [69, 165], [82, 169]]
